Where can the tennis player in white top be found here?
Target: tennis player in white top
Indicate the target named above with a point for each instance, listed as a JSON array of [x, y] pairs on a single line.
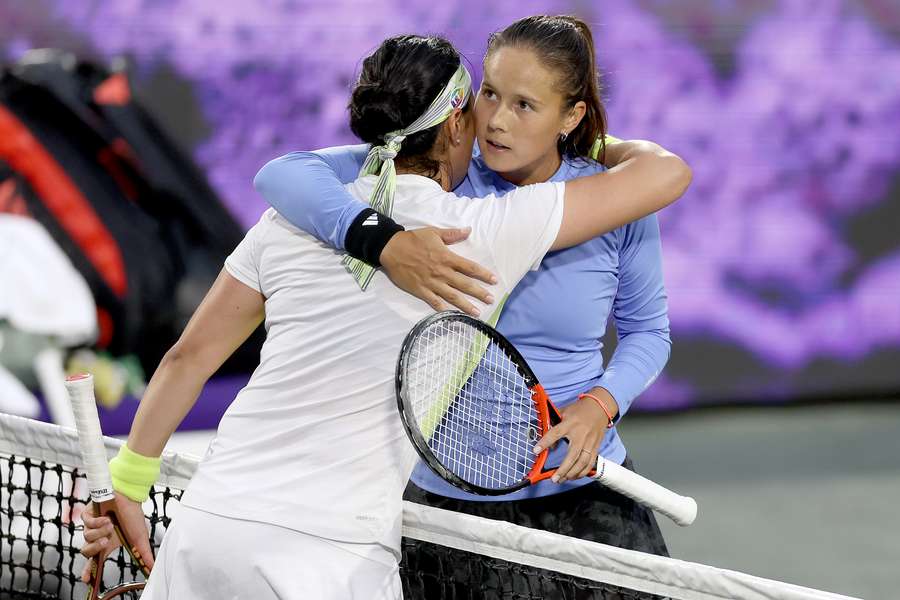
[[299, 495]]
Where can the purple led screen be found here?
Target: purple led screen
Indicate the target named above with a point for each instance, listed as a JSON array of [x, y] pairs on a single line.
[[783, 260]]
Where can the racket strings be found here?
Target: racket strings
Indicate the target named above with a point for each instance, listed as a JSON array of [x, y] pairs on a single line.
[[471, 405]]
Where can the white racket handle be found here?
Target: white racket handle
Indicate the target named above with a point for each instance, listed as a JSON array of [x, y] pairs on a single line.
[[681, 509], [90, 438]]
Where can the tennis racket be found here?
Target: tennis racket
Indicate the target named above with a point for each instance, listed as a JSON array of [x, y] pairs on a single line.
[[93, 454], [474, 411]]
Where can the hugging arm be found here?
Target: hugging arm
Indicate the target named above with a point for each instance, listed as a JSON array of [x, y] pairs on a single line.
[[307, 189]]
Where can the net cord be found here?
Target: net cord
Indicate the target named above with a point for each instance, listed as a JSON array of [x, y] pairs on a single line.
[[638, 571]]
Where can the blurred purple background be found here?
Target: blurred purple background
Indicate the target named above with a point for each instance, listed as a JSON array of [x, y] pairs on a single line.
[[783, 260]]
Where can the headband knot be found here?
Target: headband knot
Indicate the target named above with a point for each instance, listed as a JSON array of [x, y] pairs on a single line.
[[385, 153], [380, 160], [391, 148]]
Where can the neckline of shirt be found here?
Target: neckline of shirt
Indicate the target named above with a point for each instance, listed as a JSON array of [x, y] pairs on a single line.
[[411, 179]]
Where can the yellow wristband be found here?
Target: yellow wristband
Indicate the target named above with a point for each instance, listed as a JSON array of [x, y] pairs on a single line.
[[133, 474]]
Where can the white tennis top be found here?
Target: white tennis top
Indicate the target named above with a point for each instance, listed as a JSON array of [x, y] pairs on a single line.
[[314, 441]]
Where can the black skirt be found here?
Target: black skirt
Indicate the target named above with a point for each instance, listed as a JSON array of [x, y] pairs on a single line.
[[592, 512]]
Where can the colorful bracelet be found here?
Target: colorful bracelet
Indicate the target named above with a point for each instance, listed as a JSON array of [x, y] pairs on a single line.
[[602, 404], [133, 474]]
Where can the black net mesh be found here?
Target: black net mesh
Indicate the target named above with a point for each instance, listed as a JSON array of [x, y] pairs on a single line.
[[39, 539], [433, 571]]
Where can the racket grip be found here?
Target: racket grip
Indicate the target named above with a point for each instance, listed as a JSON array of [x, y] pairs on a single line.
[[90, 438], [681, 509]]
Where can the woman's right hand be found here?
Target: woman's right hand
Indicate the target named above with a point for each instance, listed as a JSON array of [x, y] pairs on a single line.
[[418, 262], [100, 537]]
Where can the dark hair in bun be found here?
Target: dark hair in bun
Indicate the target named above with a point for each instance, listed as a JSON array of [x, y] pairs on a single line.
[[398, 82]]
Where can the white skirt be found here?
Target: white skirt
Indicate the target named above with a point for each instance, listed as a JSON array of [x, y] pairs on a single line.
[[207, 556]]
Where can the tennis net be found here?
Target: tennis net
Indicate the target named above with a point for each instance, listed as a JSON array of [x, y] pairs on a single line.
[[42, 492]]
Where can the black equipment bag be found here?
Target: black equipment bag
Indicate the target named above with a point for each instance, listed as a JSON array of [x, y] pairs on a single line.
[[132, 211]]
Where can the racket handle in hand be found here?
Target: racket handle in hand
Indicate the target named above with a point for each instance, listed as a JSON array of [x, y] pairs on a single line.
[[90, 438], [681, 509]]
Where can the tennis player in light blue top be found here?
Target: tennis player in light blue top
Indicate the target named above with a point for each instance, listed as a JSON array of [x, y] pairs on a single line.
[[538, 114]]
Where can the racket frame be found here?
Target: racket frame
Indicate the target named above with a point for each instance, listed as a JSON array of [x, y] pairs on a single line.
[[548, 415], [681, 509]]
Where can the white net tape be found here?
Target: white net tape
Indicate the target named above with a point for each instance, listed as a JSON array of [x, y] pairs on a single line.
[[625, 568]]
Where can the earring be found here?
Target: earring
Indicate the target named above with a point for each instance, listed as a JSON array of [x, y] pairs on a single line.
[[459, 140], [562, 136]]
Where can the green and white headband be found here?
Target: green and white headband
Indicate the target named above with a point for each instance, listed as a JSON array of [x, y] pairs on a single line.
[[380, 160]]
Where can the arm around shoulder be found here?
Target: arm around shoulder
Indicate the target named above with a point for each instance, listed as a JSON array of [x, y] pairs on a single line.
[[645, 179], [307, 189]]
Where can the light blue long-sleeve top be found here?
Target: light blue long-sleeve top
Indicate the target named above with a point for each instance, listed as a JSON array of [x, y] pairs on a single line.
[[556, 316]]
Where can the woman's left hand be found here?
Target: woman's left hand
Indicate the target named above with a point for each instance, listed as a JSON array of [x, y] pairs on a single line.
[[583, 424]]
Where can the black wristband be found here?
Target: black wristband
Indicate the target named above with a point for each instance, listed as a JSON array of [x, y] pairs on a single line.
[[368, 234]]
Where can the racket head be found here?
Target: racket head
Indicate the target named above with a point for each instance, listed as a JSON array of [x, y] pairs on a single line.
[[471, 406]]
